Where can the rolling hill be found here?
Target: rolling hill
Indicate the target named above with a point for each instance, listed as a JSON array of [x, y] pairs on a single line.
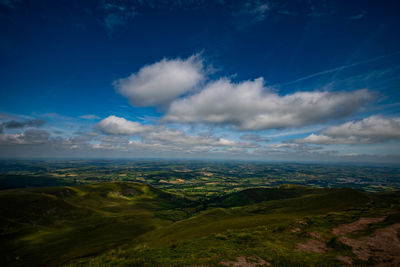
[[135, 224]]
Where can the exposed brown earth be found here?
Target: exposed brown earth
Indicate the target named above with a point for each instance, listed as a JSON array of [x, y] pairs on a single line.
[[243, 262], [313, 245], [345, 259], [295, 230], [316, 244], [383, 246], [316, 235], [360, 224]]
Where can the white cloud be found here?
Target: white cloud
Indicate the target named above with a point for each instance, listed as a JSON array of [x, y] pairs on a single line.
[[316, 139], [161, 82], [119, 126], [370, 130], [251, 106]]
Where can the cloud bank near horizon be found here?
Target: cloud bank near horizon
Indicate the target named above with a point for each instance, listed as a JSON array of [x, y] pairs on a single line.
[[371, 130]]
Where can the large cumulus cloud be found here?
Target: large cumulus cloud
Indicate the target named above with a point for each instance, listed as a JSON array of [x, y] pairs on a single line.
[[161, 82], [249, 105]]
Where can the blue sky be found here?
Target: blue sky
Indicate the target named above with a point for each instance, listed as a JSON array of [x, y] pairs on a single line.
[[265, 80]]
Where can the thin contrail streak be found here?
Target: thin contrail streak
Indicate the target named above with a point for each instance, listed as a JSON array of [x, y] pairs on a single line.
[[339, 68]]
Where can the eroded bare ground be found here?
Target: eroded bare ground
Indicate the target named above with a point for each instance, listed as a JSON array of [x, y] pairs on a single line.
[[317, 243], [317, 236], [382, 247], [361, 224], [345, 259], [246, 262], [312, 245]]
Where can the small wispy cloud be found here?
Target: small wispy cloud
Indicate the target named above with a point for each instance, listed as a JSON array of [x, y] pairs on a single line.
[[358, 16], [89, 117], [340, 68], [114, 125], [249, 12], [257, 9], [254, 137], [117, 15], [10, 3]]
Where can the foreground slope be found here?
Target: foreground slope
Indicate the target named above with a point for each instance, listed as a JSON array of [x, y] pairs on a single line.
[[286, 231], [50, 226], [136, 224]]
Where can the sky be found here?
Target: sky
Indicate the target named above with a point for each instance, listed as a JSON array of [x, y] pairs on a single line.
[[302, 81]]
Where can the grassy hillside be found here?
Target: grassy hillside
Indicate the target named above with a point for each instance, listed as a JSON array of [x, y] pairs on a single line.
[[53, 225], [135, 224], [256, 195]]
